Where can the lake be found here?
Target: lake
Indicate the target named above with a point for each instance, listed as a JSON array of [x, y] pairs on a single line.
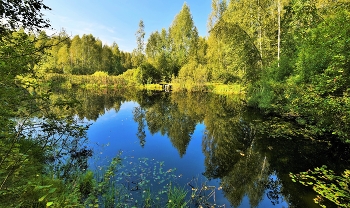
[[209, 145]]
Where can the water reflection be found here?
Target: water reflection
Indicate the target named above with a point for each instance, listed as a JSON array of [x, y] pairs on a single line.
[[231, 154], [139, 118], [237, 143]]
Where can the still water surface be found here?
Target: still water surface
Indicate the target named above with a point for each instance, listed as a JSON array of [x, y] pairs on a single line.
[[212, 140]]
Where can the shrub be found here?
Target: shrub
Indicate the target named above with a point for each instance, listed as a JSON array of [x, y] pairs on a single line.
[[100, 74]]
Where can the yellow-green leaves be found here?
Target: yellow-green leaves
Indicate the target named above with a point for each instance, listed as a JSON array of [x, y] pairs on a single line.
[[327, 184]]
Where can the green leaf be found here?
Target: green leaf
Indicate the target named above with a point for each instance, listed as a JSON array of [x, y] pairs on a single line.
[[52, 190], [49, 204], [41, 187], [42, 198]]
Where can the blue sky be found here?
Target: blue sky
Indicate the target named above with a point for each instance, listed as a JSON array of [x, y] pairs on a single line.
[[117, 20]]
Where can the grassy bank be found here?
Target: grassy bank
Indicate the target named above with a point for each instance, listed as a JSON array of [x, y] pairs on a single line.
[[84, 81], [119, 83]]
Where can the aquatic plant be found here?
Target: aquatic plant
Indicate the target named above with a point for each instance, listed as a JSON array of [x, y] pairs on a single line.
[[131, 182], [177, 197], [142, 182], [327, 184]]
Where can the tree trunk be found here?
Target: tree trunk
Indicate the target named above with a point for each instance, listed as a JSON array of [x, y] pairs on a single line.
[[279, 33]]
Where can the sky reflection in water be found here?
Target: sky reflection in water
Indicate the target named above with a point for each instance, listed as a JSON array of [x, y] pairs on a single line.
[[116, 131]]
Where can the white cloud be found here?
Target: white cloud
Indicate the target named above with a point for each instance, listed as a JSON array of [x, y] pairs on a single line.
[[105, 33]]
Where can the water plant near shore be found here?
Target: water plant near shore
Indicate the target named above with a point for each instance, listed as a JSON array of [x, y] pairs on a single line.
[[327, 184], [141, 182]]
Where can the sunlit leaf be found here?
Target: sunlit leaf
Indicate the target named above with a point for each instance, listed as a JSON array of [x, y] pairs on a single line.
[[42, 198]]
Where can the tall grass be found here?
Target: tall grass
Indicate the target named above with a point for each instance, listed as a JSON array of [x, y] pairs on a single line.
[[91, 82], [216, 88], [68, 81]]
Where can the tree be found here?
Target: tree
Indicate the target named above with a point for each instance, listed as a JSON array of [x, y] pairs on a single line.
[[24, 14], [159, 55], [202, 51], [107, 60], [261, 22], [232, 55], [154, 46], [218, 8], [117, 66], [183, 34], [63, 61], [140, 36], [75, 52], [126, 60], [321, 78], [91, 58]]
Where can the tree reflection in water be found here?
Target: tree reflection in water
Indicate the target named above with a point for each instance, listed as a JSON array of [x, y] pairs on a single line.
[[251, 155]]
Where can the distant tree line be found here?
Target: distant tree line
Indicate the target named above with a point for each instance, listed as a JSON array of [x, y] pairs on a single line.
[[245, 38], [163, 56], [82, 55]]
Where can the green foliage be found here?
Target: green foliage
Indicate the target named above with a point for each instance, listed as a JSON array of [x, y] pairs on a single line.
[[268, 92], [320, 82], [82, 55], [33, 153], [158, 54], [133, 76], [22, 14], [231, 55], [184, 37], [100, 74], [176, 197], [139, 52], [148, 74], [86, 184], [327, 184], [98, 81], [168, 51], [193, 77], [127, 182], [310, 82], [29, 160], [218, 9]]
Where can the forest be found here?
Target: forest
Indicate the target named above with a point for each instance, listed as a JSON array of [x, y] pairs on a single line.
[[291, 59]]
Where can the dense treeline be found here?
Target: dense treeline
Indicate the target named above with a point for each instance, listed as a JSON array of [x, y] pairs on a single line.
[[292, 55], [161, 59], [309, 79], [245, 40], [82, 55]]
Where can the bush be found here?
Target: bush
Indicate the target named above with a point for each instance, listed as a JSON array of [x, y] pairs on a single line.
[[100, 74]]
